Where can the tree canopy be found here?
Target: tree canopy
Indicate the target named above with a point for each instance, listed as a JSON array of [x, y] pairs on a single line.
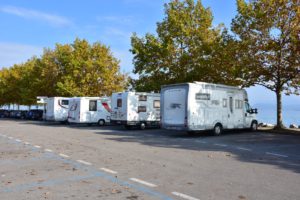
[[269, 33], [77, 69], [181, 50]]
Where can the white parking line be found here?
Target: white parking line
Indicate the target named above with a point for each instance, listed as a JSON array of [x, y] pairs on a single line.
[[17, 140], [10, 138], [143, 182], [221, 145], [64, 155], [184, 196], [37, 146], [244, 149], [27, 143], [109, 170], [84, 162], [48, 150], [276, 154]]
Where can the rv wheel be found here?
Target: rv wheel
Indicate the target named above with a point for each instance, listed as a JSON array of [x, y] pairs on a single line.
[[217, 129], [101, 122], [253, 126], [128, 127], [142, 126]]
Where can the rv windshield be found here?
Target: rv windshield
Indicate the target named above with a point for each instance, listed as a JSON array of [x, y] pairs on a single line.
[[247, 106]]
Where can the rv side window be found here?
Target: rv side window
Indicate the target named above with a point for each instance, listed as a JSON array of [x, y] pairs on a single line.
[[143, 98], [236, 104], [240, 104], [142, 109], [202, 96], [156, 104], [119, 103], [93, 105], [224, 103], [231, 104], [64, 102]]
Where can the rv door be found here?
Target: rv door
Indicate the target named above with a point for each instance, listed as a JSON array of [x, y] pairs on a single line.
[[230, 122]]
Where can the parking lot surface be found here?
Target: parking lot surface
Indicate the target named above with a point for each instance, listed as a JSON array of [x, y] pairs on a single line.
[[40, 160]]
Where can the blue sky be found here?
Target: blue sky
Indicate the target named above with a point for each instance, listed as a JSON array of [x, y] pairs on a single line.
[[29, 26]]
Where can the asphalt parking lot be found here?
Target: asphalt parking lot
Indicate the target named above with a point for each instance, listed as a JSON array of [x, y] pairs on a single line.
[[40, 160]]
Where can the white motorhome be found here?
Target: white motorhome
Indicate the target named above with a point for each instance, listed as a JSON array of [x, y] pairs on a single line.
[[54, 108], [136, 109], [89, 110], [205, 106]]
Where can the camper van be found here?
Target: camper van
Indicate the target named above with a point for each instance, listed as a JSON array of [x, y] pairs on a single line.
[[136, 109], [205, 106], [89, 110], [56, 109]]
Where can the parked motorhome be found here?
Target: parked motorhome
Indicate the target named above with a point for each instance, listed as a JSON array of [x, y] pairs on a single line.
[[205, 106], [89, 110], [136, 109], [56, 109]]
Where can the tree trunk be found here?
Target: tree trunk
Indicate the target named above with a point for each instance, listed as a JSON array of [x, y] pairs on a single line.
[[279, 124]]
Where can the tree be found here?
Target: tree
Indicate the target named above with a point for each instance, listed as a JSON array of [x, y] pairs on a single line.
[[81, 69], [269, 33], [77, 69], [180, 52]]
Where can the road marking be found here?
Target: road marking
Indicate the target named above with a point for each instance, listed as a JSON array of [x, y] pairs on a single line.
[[37, 146], [221, 145], [276, 154], [27, 143], [244, 149], [184, 196], [84, 162], [109, 170], [10, 138], [48, 150], [64, 155], [17, 140], [143, 182]]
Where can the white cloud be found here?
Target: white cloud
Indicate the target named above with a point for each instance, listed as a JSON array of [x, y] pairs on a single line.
[[12, 53], [52, 19]]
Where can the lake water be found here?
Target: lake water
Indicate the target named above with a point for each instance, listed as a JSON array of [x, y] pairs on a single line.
[[267, 114]]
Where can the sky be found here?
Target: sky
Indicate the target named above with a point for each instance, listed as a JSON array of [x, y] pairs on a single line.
[[26, 27]]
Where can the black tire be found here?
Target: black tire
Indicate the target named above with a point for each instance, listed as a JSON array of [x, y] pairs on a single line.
[[101, 122], [128, 127], [191, 133], [254, 126], [142, 126], [218, 130]]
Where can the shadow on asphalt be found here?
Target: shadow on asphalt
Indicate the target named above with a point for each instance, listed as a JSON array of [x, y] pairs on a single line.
[[259, 142]]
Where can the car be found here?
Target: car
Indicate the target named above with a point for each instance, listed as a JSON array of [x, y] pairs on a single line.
[[21, 114], [34, 114]]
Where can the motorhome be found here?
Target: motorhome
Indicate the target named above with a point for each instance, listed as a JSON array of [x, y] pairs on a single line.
[[56, 109], [89, 110], [136, 109], [205, 106]]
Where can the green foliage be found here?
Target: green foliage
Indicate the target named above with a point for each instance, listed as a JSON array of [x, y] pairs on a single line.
[[270, 29], [78, 69], [268, 33], [182, 49]]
